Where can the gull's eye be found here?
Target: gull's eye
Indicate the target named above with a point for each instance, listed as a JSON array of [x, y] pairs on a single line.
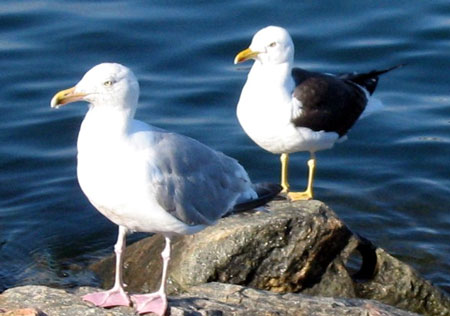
[[273, 44], [108, 83]]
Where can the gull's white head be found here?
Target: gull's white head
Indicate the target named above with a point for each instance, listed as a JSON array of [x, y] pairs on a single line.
[[270, 45], [106, 84]]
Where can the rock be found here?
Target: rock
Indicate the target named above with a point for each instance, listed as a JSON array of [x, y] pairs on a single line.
[[54, 302], [294, 247], [207, 299], [383, 278], [22, 312], [259, 302], [397, 284]]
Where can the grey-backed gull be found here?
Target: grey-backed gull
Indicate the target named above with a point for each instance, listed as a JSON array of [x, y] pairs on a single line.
[[146, 179]]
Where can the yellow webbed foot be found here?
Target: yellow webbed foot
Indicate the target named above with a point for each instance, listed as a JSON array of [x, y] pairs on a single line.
[[300, 196]]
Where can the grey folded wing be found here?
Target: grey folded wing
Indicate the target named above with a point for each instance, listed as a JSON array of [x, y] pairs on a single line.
[[194, 183]]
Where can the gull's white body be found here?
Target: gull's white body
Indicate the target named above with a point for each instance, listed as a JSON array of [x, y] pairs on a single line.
[[115, 171], [120, 169]]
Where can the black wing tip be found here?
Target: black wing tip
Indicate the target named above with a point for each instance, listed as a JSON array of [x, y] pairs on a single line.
[[368, 80], [372, 73], [267, 188], [266, 193], [383, 71]]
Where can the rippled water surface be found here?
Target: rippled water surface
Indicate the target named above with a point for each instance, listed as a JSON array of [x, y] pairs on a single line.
[[390, 181]]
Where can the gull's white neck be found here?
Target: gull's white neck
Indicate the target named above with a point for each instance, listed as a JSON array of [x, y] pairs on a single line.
[[268, 87], [267, 94], [266, 104], [272, 75], [103, 125]]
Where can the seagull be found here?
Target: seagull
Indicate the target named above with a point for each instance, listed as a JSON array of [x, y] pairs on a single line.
[[146, 179], [285, 109]]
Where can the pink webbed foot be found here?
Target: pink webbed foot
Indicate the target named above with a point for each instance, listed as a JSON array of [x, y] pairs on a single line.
[[113, 297], [150, 303]]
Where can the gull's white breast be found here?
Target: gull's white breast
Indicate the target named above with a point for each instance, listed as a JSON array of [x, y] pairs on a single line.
[[115, 173]]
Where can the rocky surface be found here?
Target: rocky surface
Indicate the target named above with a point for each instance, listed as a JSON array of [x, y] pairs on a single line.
[[282, 250], [383, 278], [300, 247], [212, 299], [292, 259]]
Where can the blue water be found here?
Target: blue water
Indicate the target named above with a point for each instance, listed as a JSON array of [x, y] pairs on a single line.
[[390, 181]]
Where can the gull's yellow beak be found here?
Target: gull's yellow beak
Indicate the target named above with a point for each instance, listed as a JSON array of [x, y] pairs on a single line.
[[246, 54], [65, 97]]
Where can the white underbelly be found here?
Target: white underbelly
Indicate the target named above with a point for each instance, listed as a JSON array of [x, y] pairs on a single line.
[[129, 202], [286, 138]]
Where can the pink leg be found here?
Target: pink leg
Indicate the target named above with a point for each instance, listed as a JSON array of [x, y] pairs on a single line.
[[117, 295], [155, 302]]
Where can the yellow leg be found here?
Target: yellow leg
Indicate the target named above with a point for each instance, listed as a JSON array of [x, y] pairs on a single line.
[[308, 193], [284, 172]]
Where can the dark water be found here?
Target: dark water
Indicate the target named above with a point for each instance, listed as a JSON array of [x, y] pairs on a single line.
[[390, 181]]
